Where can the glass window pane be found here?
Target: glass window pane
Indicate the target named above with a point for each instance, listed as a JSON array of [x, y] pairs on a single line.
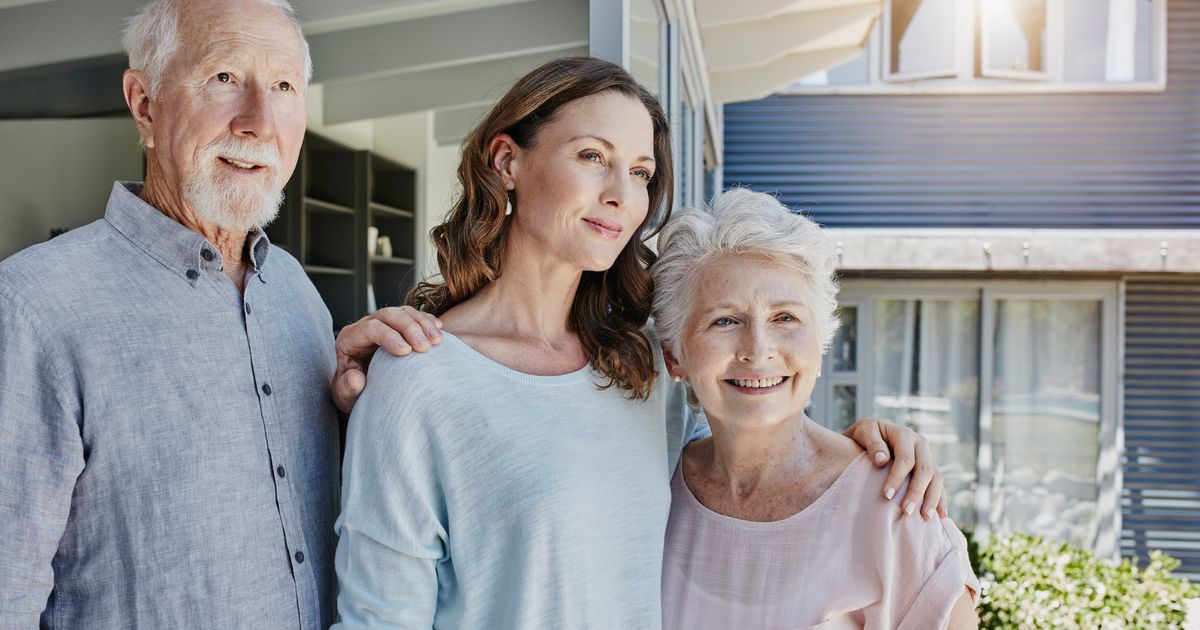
[[921, 36], [843, 353], [1107, 40], [644, 43], [1046, 418], [845, 403], [1015, 35], [927, 377]]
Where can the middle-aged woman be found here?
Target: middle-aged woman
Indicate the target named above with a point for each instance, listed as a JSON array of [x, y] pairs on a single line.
[[518, 475], [775, 520]]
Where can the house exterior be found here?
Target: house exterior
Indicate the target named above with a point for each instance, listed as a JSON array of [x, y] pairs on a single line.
[[1014, 191]]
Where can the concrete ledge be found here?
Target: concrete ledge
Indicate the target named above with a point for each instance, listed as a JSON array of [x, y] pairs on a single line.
[[956, 249]]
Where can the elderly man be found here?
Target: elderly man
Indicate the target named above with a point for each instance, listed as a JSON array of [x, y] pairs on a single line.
[[168, 446]]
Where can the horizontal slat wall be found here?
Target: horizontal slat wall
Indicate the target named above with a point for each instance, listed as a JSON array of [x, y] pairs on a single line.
[[1034, 160], [1160, 500]]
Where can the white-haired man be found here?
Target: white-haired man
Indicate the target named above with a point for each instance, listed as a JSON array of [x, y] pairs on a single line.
[[167, 439]]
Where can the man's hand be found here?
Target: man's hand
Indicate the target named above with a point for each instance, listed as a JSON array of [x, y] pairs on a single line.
[[398, 329], [881, 439]]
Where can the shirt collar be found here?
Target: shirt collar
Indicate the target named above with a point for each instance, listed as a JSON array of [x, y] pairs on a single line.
[[179, 249]]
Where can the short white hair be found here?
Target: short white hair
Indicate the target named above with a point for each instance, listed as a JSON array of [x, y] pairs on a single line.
[[151, 38], [740, 222]]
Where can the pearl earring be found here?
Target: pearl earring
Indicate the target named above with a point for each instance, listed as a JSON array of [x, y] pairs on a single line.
[[678, 379], [507, 207]]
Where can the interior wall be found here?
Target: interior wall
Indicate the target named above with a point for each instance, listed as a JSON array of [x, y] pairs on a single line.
[[58, 174]]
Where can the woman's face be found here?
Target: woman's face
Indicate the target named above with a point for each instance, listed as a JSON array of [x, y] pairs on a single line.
[[582, 188], [749, 349]]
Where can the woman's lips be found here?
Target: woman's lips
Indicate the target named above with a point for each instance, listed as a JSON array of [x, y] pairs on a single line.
[[759, 386], [607, 229]]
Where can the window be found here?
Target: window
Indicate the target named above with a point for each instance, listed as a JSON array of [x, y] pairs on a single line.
[[1012, 383], [931, 46]]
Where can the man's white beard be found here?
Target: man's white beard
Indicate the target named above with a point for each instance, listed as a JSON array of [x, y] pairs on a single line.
[[223, 201]]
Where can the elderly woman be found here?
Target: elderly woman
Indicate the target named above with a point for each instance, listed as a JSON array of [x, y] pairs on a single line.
[[775, 520]]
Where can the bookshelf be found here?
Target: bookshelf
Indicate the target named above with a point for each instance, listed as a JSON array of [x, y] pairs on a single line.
[[334, 196]]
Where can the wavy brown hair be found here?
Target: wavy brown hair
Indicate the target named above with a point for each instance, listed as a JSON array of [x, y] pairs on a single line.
[[610, 307]]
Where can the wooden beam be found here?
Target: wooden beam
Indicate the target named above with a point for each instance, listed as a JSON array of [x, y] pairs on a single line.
[[430, 89], [448, 40], [73, 89]]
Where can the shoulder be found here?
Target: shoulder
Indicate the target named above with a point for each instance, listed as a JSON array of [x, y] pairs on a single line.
[[49, 267]]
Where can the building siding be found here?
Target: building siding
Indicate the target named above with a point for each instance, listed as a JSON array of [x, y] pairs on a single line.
[[1104, 160], [1160, 498]]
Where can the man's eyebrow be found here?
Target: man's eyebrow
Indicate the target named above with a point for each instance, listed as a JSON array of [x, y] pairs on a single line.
[[609, 145]]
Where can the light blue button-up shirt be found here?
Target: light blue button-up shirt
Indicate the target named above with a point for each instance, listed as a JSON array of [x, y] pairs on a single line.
[[168, 449]]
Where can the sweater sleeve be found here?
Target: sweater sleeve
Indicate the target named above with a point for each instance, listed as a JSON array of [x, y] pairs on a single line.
[[392, 532]]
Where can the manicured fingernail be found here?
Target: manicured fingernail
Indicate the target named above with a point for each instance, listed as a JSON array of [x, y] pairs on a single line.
[[909, 507], [880, 457], [889, 493]]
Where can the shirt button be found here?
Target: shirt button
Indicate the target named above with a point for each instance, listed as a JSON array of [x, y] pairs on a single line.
[[279, 471], [192, 274], [247, 308], [266, 389], [299, 556], [206, 254]]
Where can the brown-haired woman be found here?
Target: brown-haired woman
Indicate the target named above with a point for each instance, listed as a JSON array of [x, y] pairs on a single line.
[[518, 476]]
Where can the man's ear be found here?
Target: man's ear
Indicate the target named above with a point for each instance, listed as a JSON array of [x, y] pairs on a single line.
[[136, 86], [503, 158]]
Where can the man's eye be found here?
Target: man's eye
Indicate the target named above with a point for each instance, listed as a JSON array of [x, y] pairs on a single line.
[[285, 86], [788, 317], [224, 77]]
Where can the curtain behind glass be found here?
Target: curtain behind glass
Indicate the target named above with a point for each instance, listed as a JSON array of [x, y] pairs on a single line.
[[1046, 418], [927, 377]]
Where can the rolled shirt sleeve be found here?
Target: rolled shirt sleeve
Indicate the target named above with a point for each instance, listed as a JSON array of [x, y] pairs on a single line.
[[41, 455]]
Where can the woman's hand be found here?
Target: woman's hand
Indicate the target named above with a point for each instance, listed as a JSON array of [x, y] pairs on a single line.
[[909, 453], [399, 330]]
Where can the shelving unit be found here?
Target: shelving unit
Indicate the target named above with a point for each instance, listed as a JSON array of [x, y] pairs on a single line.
[[335, 194]]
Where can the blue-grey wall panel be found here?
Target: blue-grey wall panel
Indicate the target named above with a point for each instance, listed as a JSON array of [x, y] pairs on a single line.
[[1160, 500], [1032, 160]]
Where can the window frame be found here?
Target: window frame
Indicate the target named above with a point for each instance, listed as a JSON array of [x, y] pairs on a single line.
[[863, 294], [965, 82], [885, 48]]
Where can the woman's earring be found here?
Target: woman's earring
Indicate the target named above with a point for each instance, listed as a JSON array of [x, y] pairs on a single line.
[[507, 207], [678, 379]]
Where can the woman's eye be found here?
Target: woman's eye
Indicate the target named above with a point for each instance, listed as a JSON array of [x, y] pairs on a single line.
[[788, 317], [723, 321], [592, 156], [224, 77], [644, 174], [285, 86]]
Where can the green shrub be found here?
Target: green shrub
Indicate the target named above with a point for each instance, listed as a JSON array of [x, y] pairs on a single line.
[[1029, 582]]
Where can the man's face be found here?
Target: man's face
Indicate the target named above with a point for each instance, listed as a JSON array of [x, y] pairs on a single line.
[[230, 114]]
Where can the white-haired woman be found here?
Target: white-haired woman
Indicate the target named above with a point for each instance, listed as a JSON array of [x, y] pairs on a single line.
[[775, 520]]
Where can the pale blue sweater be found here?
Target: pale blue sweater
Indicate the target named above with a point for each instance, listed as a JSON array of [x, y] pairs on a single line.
[[475, 496]]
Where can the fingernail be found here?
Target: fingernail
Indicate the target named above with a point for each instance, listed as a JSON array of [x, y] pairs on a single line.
[[909, 507], [880, 457], [889, 493], [929, 514]]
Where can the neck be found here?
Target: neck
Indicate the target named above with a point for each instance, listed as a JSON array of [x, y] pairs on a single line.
[[534, 293], [166, 196], [745, 461]]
